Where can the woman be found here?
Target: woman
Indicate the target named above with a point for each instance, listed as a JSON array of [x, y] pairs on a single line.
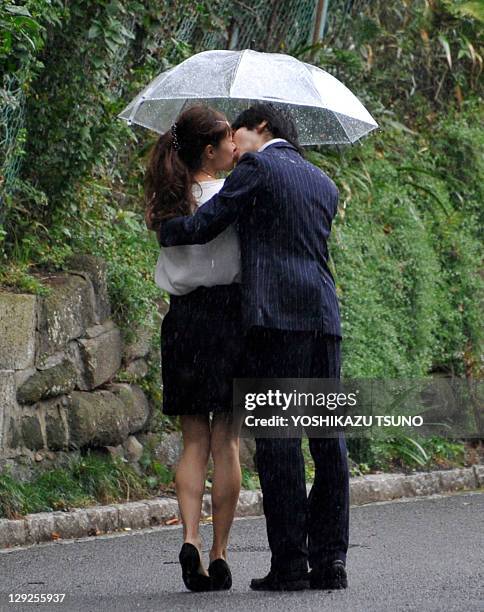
[[201, 335]]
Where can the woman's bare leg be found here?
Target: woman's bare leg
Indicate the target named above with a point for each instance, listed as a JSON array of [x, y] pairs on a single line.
[[191, 473], [227, 477]]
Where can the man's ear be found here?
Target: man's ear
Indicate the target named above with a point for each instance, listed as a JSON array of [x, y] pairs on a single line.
[[262, 126]]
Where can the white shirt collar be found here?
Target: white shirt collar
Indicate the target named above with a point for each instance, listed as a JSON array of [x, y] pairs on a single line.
[[269, 142]]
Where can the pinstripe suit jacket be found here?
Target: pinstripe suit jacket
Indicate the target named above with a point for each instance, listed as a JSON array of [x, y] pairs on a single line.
[[283, 207]]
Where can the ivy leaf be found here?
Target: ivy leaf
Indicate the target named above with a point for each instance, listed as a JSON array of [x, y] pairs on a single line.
[[126, 33], [26, 21], [94, 31], [115, 37], [86, 133], [18, 10], [97, 61], [113, 47]]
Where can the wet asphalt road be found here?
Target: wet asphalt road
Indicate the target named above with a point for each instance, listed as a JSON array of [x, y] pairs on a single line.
[[422, 554]]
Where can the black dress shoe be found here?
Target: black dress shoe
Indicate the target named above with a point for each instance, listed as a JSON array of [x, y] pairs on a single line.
[[274, 581], [221, 575], [330, 576], [191, 564]]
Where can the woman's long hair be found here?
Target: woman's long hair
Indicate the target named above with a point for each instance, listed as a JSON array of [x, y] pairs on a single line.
[[176, 157]]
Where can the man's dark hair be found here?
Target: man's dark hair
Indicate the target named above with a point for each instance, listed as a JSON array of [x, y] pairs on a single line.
[[279, 122]]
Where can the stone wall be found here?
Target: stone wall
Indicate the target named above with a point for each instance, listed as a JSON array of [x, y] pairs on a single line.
[[58, 357]]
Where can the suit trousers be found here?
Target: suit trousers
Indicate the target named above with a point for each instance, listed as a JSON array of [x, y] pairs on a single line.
[[300, 529]]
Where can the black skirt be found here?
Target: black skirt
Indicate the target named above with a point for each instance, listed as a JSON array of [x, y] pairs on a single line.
[[202, 339]]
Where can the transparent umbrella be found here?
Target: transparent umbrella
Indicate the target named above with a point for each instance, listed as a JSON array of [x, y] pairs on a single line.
[[325, 110]]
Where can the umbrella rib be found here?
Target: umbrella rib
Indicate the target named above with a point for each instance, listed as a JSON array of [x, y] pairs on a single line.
[[144, 96], [235, 72], [344, 129], [311, 81], [332, 111]]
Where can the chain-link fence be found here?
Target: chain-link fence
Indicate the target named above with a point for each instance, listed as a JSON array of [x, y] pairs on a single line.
[[12, 116], [258, 24]]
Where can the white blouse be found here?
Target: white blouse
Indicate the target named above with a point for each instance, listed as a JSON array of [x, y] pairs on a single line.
[[181, 269]]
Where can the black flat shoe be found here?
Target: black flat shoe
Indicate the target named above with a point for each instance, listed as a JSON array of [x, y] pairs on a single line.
[[331, 576], [275, 582], [221, 575], [191, 563]]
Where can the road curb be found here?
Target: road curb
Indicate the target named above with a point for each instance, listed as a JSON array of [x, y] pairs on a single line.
[[97, 520]]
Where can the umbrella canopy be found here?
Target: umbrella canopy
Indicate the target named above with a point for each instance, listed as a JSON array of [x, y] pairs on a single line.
[[325, 110]]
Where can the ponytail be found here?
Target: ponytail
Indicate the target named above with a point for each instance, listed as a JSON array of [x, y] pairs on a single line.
[[167, 183]]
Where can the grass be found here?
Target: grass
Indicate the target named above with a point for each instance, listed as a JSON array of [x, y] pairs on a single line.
[[92, 479], [250, 479]]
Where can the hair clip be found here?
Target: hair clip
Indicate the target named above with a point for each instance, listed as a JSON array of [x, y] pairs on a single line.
[[174, 138]]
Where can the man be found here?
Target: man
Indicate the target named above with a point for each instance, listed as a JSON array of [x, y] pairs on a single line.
[[283, 208]]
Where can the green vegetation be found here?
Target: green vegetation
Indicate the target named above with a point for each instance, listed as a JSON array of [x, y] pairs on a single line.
[[88, 480], [407, 250], [396, 452], [250, 480], [406, 247]]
